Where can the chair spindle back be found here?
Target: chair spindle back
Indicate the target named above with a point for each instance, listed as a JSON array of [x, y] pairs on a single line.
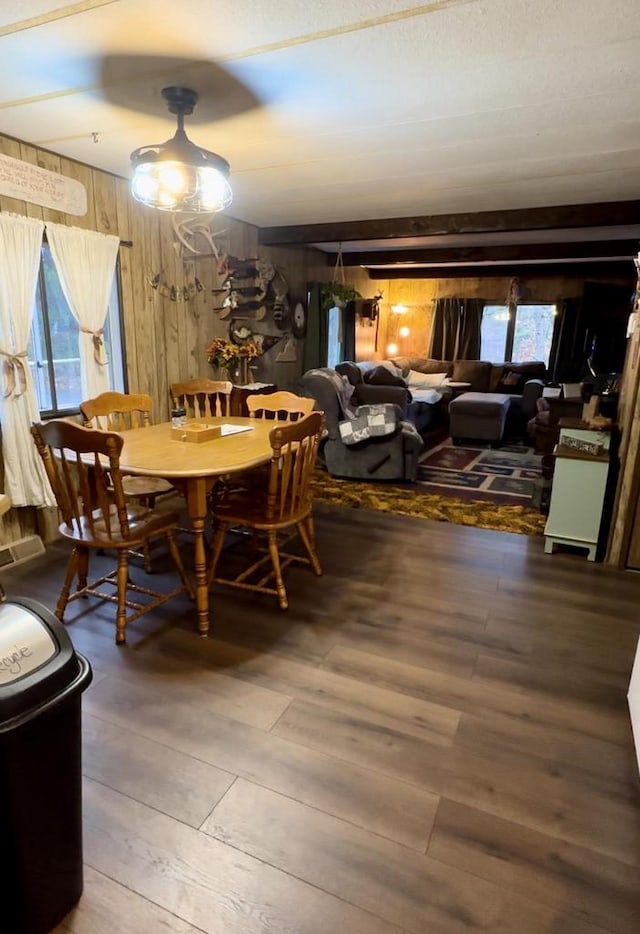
[[202, 398], [117, 411], [83, 468], [294, 448], [279, 406]]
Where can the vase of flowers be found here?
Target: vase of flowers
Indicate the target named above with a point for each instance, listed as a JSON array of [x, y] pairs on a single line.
[[232, 359]]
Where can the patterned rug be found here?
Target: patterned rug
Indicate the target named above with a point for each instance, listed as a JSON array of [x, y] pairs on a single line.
[[508, 475], [416, 501]]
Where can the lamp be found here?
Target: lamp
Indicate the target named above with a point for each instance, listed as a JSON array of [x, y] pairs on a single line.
[[178, 175]]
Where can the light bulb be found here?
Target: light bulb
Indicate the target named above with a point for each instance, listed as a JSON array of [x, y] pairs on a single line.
[[392, 348], [404, 331]]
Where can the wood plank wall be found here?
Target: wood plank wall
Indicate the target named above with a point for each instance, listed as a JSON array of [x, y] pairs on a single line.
[[164, 340], [418, 295]]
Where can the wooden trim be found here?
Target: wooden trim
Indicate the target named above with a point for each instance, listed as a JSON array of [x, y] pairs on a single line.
[[511, 253], [602, 214], [589, 270]]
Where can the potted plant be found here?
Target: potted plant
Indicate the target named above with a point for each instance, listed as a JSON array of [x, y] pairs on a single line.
[[337, 294]]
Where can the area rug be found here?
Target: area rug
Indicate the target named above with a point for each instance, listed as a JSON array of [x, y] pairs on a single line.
[[416, 501], [507, 475]]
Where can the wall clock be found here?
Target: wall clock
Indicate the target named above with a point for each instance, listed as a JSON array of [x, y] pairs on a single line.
[[299, 320]]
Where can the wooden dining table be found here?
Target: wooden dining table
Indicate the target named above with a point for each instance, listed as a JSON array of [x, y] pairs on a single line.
[[193, 468]]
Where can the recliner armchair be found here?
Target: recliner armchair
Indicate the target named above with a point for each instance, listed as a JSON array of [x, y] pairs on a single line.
[[390, 457]]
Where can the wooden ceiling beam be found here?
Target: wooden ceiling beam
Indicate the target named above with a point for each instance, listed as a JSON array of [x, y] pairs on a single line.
[[511, 253], [613, 269], [601, 214]]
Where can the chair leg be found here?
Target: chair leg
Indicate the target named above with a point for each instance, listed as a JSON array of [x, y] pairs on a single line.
[[63, 599], [148, 502], [146, 557], [309, 544], [216, 551], [83, 567], [277, 570], [311, 529], [123, 579], [177, 560]]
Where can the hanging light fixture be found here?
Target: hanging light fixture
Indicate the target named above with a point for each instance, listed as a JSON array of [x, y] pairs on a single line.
[[178, 175]]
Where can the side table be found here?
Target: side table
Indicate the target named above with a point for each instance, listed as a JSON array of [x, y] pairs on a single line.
[[239, 395], [457, 388]]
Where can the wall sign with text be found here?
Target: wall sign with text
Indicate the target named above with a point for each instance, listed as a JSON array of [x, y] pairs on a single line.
[[40, 186]]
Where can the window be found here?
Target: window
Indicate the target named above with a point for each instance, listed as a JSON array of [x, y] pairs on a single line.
[[53, 349], [517, 332], [334, 336]]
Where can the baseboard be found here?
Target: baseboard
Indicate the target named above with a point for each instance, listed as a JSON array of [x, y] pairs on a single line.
[[23, 549]]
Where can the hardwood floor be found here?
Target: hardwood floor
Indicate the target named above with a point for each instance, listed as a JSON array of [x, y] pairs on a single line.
[[434, 739]]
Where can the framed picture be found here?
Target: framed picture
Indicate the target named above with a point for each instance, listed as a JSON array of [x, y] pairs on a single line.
[[299, 319]]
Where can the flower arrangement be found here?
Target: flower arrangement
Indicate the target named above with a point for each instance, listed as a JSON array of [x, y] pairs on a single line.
[[222, 353]]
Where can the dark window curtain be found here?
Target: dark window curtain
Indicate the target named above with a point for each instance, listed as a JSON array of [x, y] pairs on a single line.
[[456, 329], [349, 332], [315, 342], [568, 351]]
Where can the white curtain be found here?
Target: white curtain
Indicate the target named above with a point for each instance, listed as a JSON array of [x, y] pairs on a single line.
[[85, 262], [20, 243]]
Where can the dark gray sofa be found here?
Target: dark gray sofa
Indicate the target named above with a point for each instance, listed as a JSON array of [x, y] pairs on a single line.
[[393, 457], [523, 382]]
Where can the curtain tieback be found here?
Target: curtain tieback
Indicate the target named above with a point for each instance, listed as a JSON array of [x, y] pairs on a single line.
[[98, 344], [14, 373]]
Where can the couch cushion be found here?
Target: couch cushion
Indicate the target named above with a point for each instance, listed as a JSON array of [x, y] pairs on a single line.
[[533, 369], [403, 363], [423, 365], [475, 372], [384, 376], [497, 372], [511, 382], [418, 380], [351, 370]]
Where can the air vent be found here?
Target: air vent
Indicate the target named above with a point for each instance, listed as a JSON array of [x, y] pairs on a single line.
[[21, 550]]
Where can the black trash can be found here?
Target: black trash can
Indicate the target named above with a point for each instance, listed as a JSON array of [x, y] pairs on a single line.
[[41, 681]]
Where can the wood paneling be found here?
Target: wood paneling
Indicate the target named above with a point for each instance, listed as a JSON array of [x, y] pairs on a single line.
[[568, 215], [164, 340]]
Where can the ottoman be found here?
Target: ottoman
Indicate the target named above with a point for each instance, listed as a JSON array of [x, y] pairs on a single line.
[[478, 415]]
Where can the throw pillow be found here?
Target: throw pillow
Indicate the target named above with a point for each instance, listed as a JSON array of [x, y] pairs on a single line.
[[512, 383], [420, 380], [392, 367], [475, 372], [429, 365], [351, 370], [382, 376]]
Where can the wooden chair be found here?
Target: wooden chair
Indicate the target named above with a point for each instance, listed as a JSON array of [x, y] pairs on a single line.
[[117, 411], [83, 467], [284, 503], [280, 406], [203, 398]]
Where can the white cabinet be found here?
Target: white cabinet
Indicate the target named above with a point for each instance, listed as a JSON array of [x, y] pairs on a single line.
[[577, 494]]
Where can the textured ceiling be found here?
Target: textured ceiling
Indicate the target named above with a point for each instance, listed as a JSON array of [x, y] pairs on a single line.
[[345, 109]]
